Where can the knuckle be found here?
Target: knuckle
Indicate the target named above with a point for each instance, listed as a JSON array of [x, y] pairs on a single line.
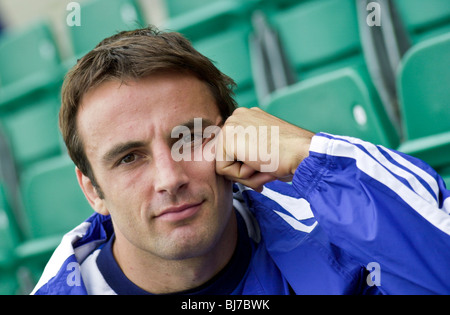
[[240, 111]]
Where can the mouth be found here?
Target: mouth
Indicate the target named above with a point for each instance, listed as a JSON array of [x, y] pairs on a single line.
[[179, 213]]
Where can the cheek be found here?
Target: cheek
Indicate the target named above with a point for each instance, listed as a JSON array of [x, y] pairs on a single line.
[[203, 172], [124, 194], [221, 187]]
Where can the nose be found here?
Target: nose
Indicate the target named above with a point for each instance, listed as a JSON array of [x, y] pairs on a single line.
[[169, 176]]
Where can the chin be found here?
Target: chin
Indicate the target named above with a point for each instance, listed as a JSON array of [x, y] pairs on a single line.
[[190, 242]]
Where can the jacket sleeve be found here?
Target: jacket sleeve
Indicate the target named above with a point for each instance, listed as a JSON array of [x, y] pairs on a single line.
[[383, 208]]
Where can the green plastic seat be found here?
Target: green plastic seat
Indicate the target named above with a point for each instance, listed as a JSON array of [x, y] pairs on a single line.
[[319, 36], [180, 7], [220, 30], [339, 103], [31, 126], [280, 4], [447, 180], [323, 36], [229, 50], [31, 77], [199, 18], [101, 19], [8, 240], [8, 283], [423, 85], [21, 261], [29, 61], [53, 201], [9, 236], [424, 19]]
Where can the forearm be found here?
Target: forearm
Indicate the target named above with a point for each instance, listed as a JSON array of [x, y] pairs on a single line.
[[380, 206]]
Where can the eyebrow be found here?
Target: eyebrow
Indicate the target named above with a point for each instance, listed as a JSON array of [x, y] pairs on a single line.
[[120, 149]]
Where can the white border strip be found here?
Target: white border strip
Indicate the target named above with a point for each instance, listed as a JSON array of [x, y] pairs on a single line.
[[371, 167]]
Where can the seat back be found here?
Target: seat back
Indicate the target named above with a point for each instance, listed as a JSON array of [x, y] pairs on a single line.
[[230, 52], [31, 127], [319, 34], [424, 18], [423, 85], [101, 19], [447, 181], [8, 240], [31, 52], [179, 7], [9, 236], [339, 103], [53, 201]]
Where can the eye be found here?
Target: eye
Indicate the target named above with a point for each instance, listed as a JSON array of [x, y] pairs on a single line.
[[128, 159]]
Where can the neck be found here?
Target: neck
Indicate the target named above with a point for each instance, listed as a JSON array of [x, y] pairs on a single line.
[[161, 276]]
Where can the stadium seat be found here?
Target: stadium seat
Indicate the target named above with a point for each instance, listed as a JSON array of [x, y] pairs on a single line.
[[53, 201], [8, 171], [8, 240], [280, 4], [323, 36], [229, 50], [101, 19], [53, 205], [31, 125], [202, 18], [21, 261], [29, 61], [338, 102], [424, 19], [220, 30], [180, 7], [319, 36], [31, 76], [384, 46], [447, 180], [423, 85], [8, 282], [223, 35]]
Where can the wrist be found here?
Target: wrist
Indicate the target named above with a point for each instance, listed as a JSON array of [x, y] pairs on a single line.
[[302, 151]]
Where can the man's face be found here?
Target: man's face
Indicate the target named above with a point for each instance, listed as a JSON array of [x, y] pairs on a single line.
[[172, 210]]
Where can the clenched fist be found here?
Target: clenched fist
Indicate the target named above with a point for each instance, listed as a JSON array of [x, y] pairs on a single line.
[[255, 148]]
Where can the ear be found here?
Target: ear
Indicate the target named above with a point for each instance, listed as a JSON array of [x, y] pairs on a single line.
[[91, 194]]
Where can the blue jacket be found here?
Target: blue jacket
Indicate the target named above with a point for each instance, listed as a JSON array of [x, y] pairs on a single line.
[[357, 219]]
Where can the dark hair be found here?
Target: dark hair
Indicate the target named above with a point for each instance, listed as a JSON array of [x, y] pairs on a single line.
[[131, 55]]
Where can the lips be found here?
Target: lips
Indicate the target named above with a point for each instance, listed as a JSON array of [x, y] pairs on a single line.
[[180, 212]]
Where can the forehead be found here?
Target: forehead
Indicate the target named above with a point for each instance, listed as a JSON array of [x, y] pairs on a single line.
[[140, 109], [166, 89]]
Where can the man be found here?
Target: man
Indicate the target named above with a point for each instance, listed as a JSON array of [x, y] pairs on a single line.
[[140, 116]]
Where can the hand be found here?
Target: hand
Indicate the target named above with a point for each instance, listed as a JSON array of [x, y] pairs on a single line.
[[256, 148]]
